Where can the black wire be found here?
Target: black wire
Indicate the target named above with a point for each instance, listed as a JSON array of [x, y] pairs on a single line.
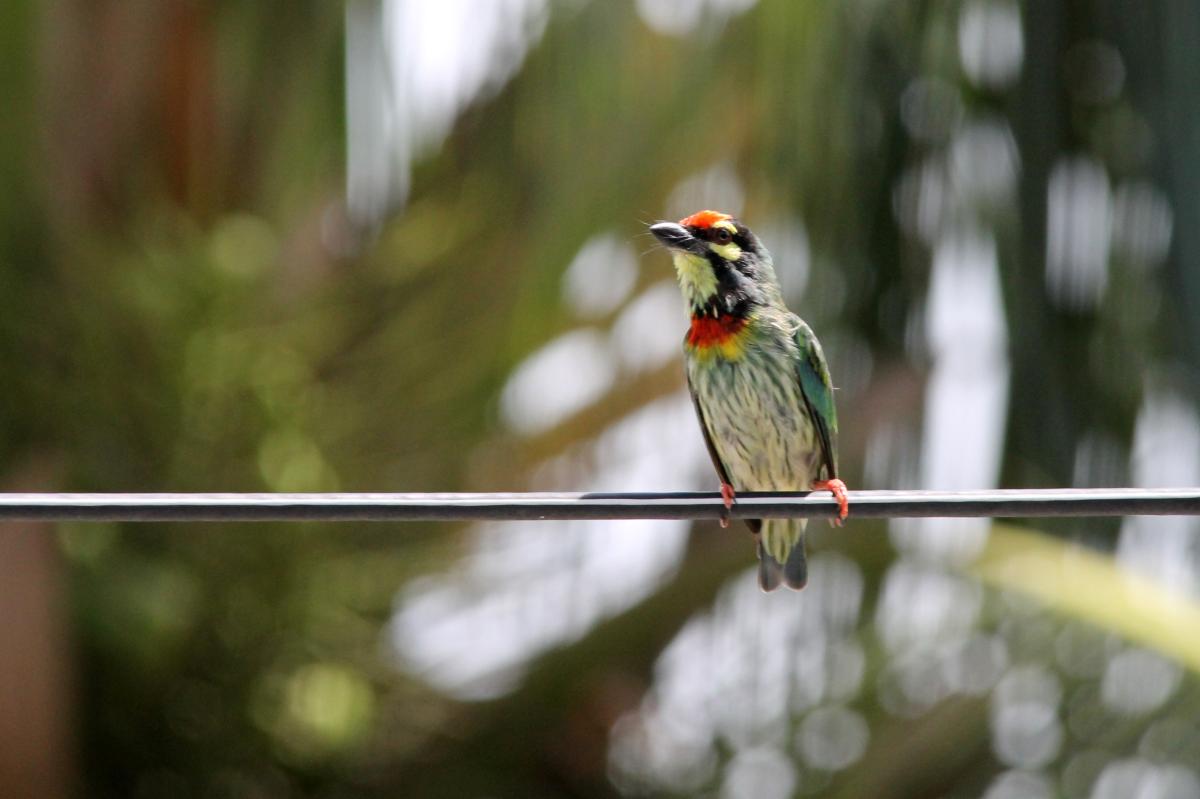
[[512, 507]]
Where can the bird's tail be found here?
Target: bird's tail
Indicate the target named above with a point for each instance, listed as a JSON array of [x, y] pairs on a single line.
[[781, 555]]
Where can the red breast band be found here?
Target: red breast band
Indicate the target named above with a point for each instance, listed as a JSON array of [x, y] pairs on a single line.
[[708, 331]]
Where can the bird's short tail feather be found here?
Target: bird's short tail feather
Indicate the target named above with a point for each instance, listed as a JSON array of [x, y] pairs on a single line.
[[781, 557]]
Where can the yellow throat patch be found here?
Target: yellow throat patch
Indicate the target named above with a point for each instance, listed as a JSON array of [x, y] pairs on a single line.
[[696, 278]]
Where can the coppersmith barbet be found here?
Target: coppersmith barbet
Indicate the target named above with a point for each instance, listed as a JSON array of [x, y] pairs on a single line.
[[758, 379]]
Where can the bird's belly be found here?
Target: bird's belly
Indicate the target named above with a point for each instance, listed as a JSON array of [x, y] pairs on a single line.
[[758, 421]]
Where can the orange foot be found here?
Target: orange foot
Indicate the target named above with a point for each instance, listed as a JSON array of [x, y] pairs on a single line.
[[838, 489], [727, 498]]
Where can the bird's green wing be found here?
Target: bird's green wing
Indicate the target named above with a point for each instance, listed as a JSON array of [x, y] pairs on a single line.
[[817, 388]]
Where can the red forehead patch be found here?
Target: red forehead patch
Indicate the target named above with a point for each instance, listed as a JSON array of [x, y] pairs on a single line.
[[704, 219]]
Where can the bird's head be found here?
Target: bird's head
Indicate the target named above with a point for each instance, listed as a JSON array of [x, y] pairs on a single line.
[[722, 267]]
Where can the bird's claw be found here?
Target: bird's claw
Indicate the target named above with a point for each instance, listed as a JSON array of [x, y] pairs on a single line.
[[726, 497], [838, 489]]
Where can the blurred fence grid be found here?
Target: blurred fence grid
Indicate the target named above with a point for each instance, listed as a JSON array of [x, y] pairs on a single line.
[[383, 507]]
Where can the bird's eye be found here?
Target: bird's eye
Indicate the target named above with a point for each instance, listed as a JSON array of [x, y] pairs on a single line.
[[723, 235]]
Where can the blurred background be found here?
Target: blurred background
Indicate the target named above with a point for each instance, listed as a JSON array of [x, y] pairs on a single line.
[[398, 245]]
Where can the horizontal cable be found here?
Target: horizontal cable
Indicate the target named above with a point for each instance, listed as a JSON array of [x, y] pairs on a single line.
[[511, 507]]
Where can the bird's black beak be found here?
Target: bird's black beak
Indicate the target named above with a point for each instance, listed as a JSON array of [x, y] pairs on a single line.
[[675, 237]]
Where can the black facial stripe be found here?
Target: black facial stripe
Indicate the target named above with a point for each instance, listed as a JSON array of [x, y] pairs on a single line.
[[718, 263], [712, 234], [747, 266], [737, 291]]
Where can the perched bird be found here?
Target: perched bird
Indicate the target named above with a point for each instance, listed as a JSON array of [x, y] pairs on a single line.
[[758, 379]]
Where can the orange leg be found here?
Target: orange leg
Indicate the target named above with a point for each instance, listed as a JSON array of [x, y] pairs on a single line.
[[838, 489], [727, 498]]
